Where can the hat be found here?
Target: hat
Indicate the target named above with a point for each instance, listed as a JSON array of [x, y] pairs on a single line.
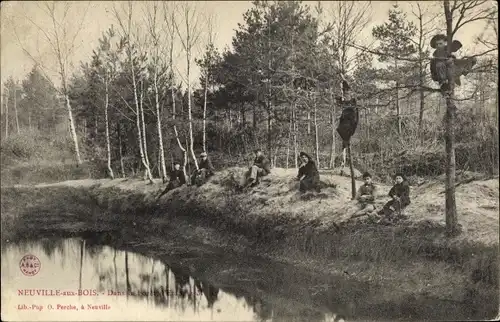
[[436, 38], [203, 154]]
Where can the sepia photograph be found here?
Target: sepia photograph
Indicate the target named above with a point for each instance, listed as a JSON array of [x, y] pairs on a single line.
[[252, 161]]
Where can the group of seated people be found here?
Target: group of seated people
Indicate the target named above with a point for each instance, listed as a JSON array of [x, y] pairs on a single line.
[[308, 176], [368, 192]]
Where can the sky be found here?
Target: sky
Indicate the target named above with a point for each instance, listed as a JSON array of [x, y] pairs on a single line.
[[29, 22]]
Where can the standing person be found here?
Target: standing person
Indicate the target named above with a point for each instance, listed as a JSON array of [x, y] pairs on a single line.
[[177, 179], [205, 171], [308, 174], [366, 195], [260, 168], [400, 194]]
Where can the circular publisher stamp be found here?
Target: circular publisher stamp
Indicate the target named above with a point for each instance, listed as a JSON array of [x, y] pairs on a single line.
[[30, 265]]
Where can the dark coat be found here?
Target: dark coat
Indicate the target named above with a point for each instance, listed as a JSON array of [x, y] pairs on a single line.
[[401, 190], [263, 163], [348, 121], [178, 175], [309, 175], [207, 164]]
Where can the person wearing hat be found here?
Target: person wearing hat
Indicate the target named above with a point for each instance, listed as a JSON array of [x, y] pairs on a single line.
[[177, 179], [205, 171], [441, 62], [260, 168], [400, 197]]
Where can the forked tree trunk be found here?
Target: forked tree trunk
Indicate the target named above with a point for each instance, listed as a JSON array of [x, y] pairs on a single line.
[[138, 125]]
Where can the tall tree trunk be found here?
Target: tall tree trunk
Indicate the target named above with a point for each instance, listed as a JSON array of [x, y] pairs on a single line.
[[316, 140], [15, 109], [158, 124], [398, 111], [72, 129], [290, 121], [332, 149], [190, 117], [147, 173], [205, 113], [295, 129], [127, 277], [120, 149], [7, 115], [82, 254], [451, 206], [351, 168], [108, 144]]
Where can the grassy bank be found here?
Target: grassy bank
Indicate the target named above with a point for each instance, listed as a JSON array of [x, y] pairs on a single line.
[[314, 231]]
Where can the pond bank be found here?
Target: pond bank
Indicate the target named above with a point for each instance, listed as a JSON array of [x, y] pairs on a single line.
[[412, 260]]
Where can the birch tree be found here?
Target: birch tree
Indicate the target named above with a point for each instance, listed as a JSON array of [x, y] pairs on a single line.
[[61, 42], [189, 38], [152, 21], [131, 49], [169, 18]]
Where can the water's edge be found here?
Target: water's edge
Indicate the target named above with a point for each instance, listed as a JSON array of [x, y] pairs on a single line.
[[313, 248]]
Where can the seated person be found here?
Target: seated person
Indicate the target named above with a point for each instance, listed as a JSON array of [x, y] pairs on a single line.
[[308, 174], [260, 168], [400, 194], [366, 195], [177, 179], [205, 171]]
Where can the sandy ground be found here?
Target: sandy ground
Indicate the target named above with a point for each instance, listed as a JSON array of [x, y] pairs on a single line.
[[477, 201]]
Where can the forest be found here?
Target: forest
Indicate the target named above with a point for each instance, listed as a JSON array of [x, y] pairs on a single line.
[[129, 110]]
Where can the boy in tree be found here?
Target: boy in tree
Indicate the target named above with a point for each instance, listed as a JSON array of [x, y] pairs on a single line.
[[441, 62]]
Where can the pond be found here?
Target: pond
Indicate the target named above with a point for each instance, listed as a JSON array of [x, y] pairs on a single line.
[[78, 280]]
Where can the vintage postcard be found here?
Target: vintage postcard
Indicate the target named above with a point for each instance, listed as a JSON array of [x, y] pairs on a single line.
[[249, 161]]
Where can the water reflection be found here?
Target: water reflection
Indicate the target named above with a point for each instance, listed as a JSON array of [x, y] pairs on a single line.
[[135, 287]]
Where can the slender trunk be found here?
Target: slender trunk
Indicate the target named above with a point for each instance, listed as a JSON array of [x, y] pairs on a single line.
[[29, 120], [72, 128], [138, 121], [421, 70], [7, 116], [398, 112], [332, 149], [116, 271], [144, 136], [351, 168], [188, 47], [108, 144], [308, 121], [15, 110], [316, 140], [158, 123], [451, 207], [205, 113], [120, 148], [295, 144], [288, 140]]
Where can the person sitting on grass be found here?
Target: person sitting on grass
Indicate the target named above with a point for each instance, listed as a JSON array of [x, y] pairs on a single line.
[[260, 168], [366, 195], [205, 171], [400, 194], [177, 179], [308, 174]]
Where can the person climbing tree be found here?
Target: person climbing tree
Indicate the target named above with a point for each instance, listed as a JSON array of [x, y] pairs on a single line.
[[308, 174], [349, 117], [441, 60]]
